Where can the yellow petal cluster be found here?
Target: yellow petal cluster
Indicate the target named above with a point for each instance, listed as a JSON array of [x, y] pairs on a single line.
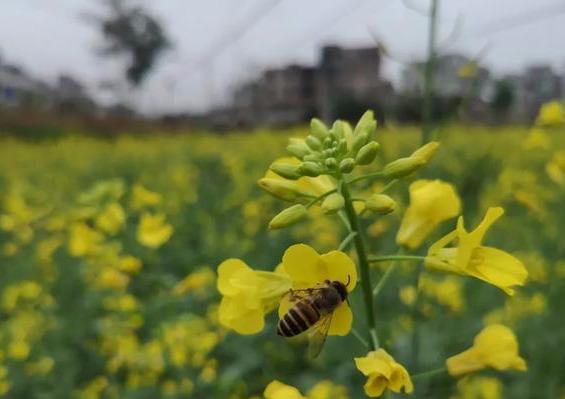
[[431, 203], [248, 295], [278, 390], [551, 114], [470, 258], [495, 347], [306, 268], [153, 230], [383, 372]]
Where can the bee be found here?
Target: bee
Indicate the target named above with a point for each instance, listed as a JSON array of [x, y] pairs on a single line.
[[312, 312]]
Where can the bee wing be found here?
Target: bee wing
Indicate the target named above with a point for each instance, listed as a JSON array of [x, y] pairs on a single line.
[[317, 335]]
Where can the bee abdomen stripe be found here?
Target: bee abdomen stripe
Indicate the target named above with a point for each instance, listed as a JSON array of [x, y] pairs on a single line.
[[298, 318], [310, 313], [283, 328], [290, 325]]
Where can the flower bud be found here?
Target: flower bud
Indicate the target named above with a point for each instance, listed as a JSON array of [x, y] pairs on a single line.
[[380, 203], [367, 153], [341, 148], [328, 142], [313, 157], [333, 203], [367, 123], [427, 151], [402, 167], [331, 163], [299, 149], [347, 165], [338, 130], [286, 170], [311, 169], [288, 217], [359, 140], [280, 188], [318, 129], [313, 143]]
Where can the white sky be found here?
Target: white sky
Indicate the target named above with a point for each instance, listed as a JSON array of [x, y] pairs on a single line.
[[49, 37]]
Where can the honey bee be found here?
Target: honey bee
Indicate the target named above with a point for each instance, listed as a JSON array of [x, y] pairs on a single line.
[[312, 312]]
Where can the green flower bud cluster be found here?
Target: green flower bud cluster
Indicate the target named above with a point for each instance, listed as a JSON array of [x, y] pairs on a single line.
[[332, 151]]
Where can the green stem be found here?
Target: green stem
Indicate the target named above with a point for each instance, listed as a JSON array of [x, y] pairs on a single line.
[[320, 197], [370, 175], [363, 265], [386, 258], [430, 373], [384, 279], [346, 241], [427, 104], [359, 337]]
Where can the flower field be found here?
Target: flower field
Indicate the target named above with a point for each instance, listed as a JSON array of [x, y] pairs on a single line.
[[110, 251]]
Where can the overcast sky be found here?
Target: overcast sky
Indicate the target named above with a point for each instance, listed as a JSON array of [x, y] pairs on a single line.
[[49, 37]]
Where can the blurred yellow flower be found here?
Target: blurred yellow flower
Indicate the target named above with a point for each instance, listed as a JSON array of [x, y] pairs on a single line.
[[83, 240], [112, 279], [142, 197], [431, 202], [551, 114], [198, 281], [555, 168], [478, 388], [470, 258], [129, 264], [153, 230], [383, 372], [537, 139], [495, 347], [278, 390], [327, 390], [248, 295], [112, 218], [306, 269]]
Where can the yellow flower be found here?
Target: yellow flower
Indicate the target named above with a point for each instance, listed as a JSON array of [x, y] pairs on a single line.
[[197, 281], [551, 114], [306, 269], [112, 279], [537, 138], [478, 388], [248, 295], [327, 390], [470, 258], [83, 240], [383, 372], [495, 346], [431, 202], [142, 197], [555, 168], [112, 219], [278, 390], [153, 230]]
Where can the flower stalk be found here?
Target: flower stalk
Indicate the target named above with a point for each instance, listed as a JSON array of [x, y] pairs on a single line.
[[359, 241]]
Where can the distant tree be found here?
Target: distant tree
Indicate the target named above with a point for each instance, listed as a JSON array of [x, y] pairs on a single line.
[[503, 96], [131, 31]]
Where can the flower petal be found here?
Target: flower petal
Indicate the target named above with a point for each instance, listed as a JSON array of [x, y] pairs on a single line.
[[341, 320], [498, 268], [226, 271], [340, 267], [233, 313], [303, 265]]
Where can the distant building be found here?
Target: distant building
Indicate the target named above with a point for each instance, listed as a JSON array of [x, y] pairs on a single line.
[[450, 78], [69, 95], [349, 80]]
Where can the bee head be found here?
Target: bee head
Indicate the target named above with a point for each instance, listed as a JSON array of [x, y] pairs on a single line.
[[340, 288]]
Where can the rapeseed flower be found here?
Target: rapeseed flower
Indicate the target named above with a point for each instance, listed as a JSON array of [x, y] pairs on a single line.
[[142, 197], [306, 269], [153, 230], [112, 218], [470, 258], [479, 388], [278, 390], [431, 203], [248, 295], [383, 372], [551, 114], [495, 347]]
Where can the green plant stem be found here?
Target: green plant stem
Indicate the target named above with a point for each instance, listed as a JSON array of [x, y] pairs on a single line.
[[427, 104], [320, 197], [386, 258], [430, 373], [386, 276], [359, 337], [346, 241], [369, 176], [363, 265]]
